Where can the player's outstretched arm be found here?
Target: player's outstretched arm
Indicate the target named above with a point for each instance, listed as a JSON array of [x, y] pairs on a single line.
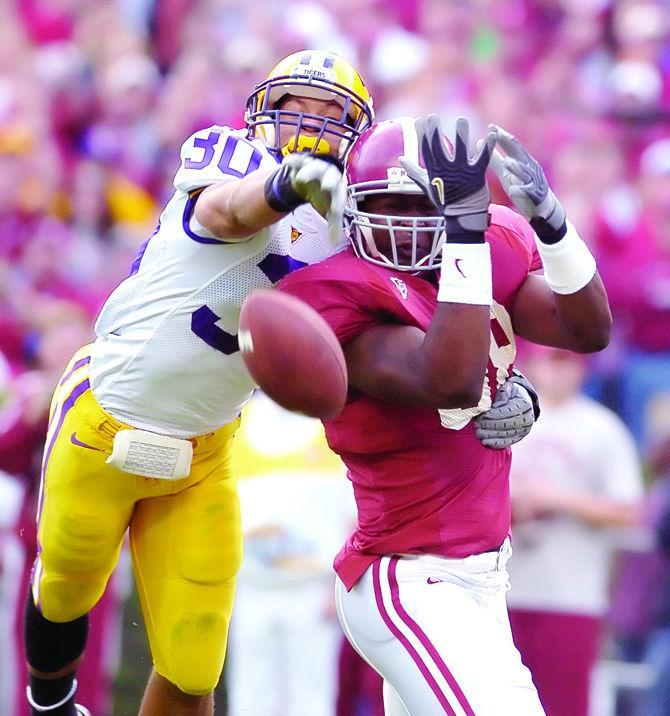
[[568, 308], [446, 366], [237, 209]]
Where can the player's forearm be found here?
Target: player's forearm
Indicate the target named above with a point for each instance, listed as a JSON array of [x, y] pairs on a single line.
[[456, 348], [602, 512], [455, 351], [585, 317], [579, 321], [236, 209], [444, 368], [581, 300], [454, 355]]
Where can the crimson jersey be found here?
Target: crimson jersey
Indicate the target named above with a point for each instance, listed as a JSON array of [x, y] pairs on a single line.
[[422, 480]]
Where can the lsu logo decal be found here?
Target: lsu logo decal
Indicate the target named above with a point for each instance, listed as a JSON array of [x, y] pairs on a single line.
[[400, 285], [295, 234]]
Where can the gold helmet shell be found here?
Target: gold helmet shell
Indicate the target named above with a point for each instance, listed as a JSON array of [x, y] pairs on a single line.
[[317, 74]]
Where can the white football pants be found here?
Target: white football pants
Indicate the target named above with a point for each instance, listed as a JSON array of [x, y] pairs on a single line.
[[437, 631]]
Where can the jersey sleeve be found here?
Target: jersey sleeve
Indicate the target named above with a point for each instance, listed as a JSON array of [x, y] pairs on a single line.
[[518, 232], [341, 300], [536, 261], [218, 154]]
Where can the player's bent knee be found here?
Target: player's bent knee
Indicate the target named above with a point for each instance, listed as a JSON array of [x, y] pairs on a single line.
[[65, 598], [195, 652]]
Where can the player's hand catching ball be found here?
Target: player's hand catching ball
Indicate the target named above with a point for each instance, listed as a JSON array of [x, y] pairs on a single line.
[[525, 183], [455, 183]]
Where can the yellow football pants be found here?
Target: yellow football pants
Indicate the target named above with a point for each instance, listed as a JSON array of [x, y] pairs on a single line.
[[185, 535]]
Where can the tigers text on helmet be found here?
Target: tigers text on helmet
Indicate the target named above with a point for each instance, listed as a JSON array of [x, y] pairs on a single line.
[[316, 74], [373, 169]]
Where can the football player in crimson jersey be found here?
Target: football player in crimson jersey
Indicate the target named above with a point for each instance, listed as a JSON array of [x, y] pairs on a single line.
[[428, 327]]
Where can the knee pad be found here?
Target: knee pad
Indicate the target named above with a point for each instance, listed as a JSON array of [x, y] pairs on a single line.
[[195, 652], [50, 646]]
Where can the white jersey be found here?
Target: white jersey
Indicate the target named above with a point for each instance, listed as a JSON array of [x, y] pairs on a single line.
[[166, 358]]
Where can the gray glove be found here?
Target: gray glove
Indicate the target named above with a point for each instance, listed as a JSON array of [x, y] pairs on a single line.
[[512, 414], [524, 181], [455, 184]]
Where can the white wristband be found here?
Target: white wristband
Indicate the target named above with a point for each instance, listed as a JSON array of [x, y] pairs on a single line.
[[568, 264], [466, 274]]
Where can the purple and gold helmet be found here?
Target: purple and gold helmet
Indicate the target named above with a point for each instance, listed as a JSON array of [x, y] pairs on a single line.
[[321, 75], [373, 168]]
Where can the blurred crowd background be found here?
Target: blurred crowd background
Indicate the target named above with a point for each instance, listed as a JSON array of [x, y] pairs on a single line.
[[96, 97]]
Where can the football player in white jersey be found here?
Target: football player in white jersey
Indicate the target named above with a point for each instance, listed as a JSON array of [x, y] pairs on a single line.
[[141, 421]]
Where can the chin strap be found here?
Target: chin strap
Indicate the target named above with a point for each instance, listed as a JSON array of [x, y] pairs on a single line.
[[51, 707]]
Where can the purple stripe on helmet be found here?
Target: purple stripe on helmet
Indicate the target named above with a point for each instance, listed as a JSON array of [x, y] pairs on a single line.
[[425, 672], [76, 366], [423, 638]]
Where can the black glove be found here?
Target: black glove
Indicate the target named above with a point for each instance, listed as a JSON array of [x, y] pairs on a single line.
[[456, 185]]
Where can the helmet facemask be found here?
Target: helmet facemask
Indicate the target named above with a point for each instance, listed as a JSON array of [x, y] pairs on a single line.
[[332, 135], [422, 253]]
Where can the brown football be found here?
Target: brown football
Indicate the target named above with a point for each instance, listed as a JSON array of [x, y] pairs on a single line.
[[292, 354]]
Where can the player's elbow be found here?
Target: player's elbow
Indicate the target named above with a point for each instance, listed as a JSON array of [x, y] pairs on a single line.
[[466, 397], [458, 399], [595, 339], [595, 345], [456, 393]]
